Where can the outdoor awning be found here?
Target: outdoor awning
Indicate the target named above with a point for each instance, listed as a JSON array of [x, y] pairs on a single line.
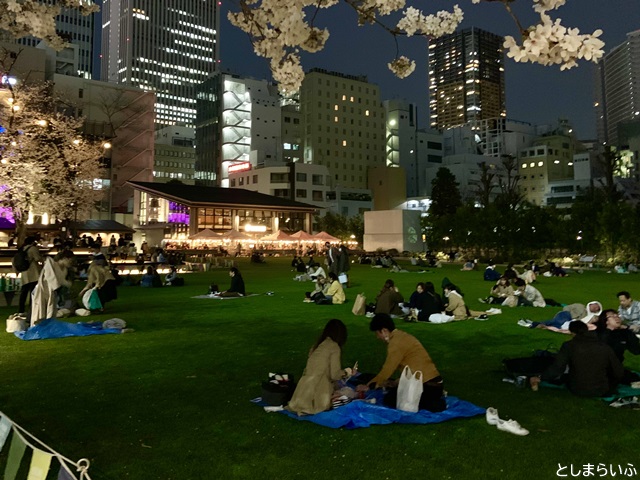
[[278, 236], [206, 234]]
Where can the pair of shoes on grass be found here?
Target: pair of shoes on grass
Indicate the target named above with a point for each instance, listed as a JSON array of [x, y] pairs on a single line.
[[625, 403], [510, 426], [525, 322]]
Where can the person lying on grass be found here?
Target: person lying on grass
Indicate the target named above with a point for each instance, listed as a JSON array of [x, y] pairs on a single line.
[[237, 285], [620, 338], [575, 312], [404, 349], [594, 370], [315, 390]]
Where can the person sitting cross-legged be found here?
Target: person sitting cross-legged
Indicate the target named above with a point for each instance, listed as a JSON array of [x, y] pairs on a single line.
[[334, 295], [593, 368], [236, 289]]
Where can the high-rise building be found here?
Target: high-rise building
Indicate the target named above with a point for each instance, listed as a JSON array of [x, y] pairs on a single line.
[[344, 123], [466, 78], [163, 46], [618, 89], [78, 30], [238, 127]]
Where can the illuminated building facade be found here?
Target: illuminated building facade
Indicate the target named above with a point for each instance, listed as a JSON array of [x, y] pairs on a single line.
[[344, 126], [238, 126], [618, 89], [164, 46], [466, 78], [78, 30]]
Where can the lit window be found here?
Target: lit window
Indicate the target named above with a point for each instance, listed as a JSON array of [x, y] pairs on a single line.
[[335, 119], [524, 165], [532, 164], [344, 143], [366, 112], [335, 107], [540, 164]]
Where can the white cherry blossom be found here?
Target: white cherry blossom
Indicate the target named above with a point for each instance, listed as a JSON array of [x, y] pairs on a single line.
[[402, 66], [279, 30]]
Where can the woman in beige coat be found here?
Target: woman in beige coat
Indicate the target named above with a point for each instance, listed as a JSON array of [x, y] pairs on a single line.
[[315, 388]]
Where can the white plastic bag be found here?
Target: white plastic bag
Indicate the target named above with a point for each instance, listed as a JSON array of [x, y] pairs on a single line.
[[91, 299], [409, 390], [342, 278], [16, 324]]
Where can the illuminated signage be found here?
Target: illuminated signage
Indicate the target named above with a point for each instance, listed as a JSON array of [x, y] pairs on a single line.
[[240, 167]]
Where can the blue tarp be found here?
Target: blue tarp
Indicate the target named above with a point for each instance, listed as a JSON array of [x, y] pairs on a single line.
[[53, 328], [358, 414]]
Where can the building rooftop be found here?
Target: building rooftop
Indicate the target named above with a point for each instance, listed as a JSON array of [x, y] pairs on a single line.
[[193, 195]]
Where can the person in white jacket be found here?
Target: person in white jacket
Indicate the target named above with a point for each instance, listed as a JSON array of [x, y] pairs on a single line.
[[44, 300], [571, 313], [528, 295]]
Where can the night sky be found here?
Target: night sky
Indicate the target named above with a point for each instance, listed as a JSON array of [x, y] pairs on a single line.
[[535, 94]]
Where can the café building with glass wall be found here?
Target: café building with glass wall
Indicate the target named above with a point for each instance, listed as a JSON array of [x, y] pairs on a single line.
[[173, 211]]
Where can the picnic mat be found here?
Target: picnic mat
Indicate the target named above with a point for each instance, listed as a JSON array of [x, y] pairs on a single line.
[[215, 297], [360, 414], [54, 328], [624, 391]]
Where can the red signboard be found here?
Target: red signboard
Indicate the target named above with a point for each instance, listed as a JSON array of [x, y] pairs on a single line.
[[239, 167]]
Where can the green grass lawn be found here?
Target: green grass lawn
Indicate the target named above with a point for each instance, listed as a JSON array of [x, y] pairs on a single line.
[[171, 400]]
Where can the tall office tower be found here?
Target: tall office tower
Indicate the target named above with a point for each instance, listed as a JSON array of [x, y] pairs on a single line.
[[344, 123], [78, 30], [618, 89], [466, 78], [238, 127], [164, 46]]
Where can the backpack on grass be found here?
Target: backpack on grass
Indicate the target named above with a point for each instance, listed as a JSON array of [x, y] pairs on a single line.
[[21, 261]]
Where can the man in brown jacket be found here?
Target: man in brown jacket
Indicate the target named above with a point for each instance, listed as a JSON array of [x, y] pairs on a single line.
[[405, 349]]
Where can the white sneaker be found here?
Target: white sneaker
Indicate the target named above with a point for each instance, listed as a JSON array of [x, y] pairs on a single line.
[[512, 426], [494, 311], [525, 323], [492, 416], [482, 300]]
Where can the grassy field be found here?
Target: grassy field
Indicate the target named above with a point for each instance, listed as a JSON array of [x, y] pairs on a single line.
[[171, 400]]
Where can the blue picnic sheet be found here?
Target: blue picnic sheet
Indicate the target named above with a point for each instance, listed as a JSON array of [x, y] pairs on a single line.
[[54, 328], [359, 414]]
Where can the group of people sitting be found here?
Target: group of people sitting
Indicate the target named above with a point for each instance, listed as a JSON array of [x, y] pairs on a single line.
[[591, 364], [328, 290], [424, 305], [151, 278], [317, 388], [516, 293]]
